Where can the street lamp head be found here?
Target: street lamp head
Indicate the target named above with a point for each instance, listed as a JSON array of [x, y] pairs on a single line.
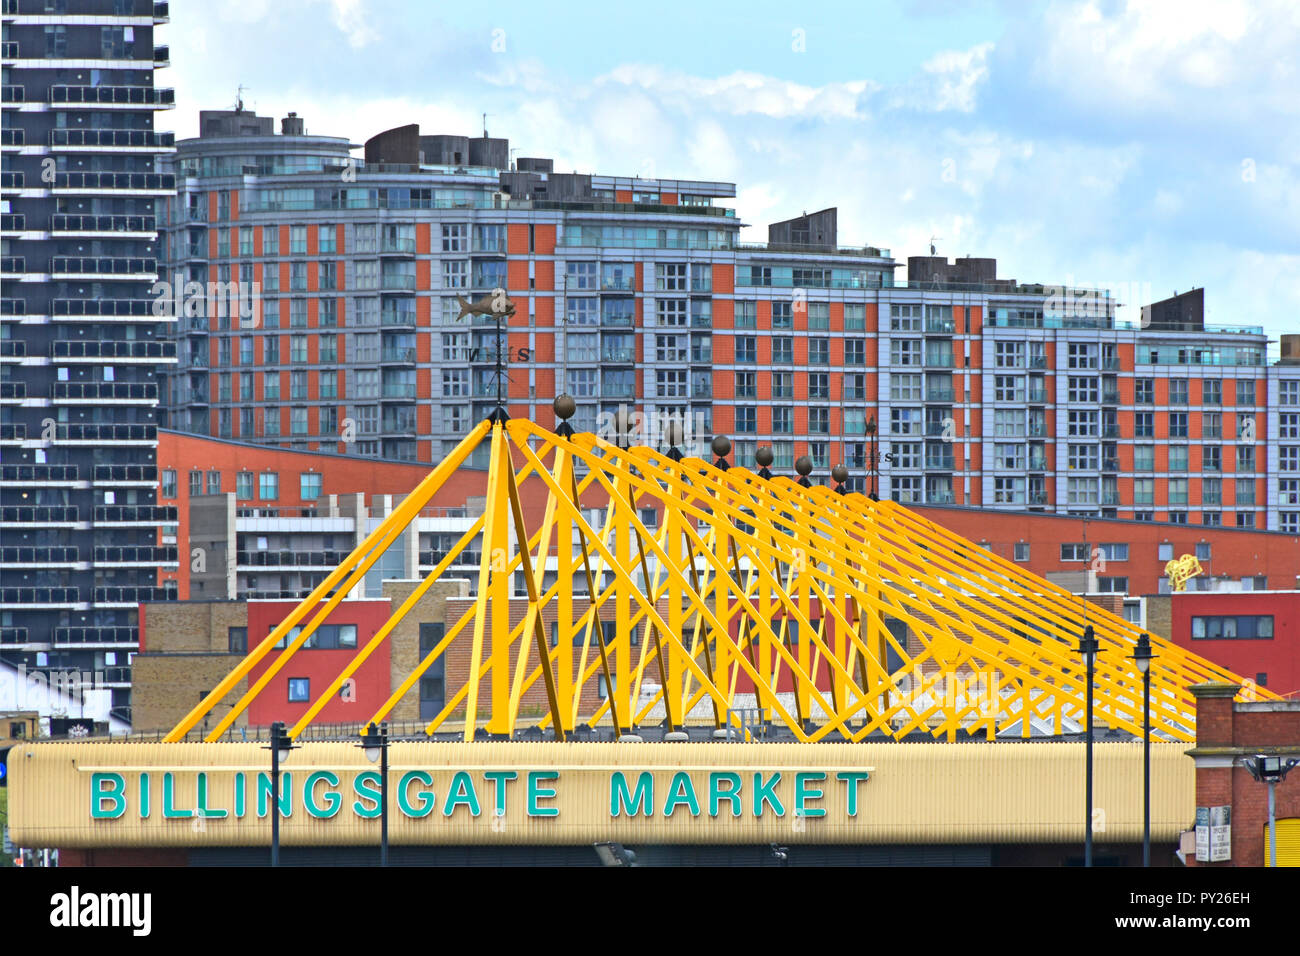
[[373, 741], [1142, 653], [1270, 768], [1088, 645], [281, 742]]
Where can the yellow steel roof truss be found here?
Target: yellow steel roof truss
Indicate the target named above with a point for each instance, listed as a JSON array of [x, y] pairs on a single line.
[[839, 617]]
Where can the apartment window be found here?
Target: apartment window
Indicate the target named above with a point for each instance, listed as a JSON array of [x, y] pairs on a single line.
[[1212, 491], [1144, 491], [329, 276], [1081, 423], [1144, 424], [1009, 388], [746, 314], [905, 388], [1009, 456], [1144, 457], [905, 421], [298, 348], [1288, 392], [855, 352], [214, 482], [783, 350], [746, 349], [244, 485], [1112, 585], [271, 350], [819, 351], [1022, 551], [1178, 389], [268, 486], [1288, 491], [1144, 391], [1009, 354], [671, 348], [1008, 491], [1245, 519], [1233, 627], [906, 454], [905, 352], [1177, 424], [819, 421], [1075, 552], [905, 489], [1177, 457], [782, 315], [746, 385], [583, 382], [237, 640], [1084, 457], [169, 483], [1081, 355], [329, 384], [1084, 389], [1288, 458], [1245, 490], [1008, 422], [672, 312], [309, 485], [1178, 491], [455, 237], [1082, 491], [299, 690], [270, 242], [298, 421], [1212, 391], [670, 277], [196, 482], [855, 317], [746, 419], [782, 420], [670, 383], [1288, 425], [1246, 391], [783, 384], [1245, 457], [1114, 552], [905, 318], [455, 274]]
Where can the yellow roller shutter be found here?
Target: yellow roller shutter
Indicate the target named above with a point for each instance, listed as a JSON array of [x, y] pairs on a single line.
[[1288, 842]]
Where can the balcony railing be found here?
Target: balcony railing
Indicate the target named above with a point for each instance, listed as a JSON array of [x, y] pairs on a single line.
[[115, 265], [945, 326], [158, 514], [1037, 429], [397, 246], [106, 432], [54, 555], [397, 283], [105, 390], [617, 355], [40, 595], [66, 223], [41, 473], [103, 307], [12, 137], [1038, 497], [140, 554], [402, 390], [139, 473], [399, 356], [288, 558], [154, 182], [938, 393], [96, 635], [12, 94], [138, 95], [1037, 396], [399, 318], [39, 514], [136, 138], [1037, 463], [939, 462]]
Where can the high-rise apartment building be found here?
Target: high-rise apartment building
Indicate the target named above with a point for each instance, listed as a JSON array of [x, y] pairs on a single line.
[[981, 390], [81, 350]]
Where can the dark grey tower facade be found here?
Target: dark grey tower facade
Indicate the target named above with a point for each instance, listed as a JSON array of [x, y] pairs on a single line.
[[81, 349]]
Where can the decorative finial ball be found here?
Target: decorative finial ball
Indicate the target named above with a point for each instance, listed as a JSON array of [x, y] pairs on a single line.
[[803, 465], [840, 473], [564, 406], [721, 446], [764, 457], [673, 433]]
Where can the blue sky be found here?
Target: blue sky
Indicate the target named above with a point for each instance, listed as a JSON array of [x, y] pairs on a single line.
[[1144, 145]]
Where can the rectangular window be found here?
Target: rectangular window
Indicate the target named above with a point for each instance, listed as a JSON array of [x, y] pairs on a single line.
[[1178, 391], [268, 486], [855, 317], [855, 351], [746, 349], [1144, 391], [1233, 627], [819, 351], [782, 350], [782, 420], [746, 314], [905, 352], [309, 485], [1246, 391], [244, 485], [299, 690]]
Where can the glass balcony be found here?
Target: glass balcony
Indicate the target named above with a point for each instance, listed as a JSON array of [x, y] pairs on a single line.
[[938, 393], [398, 356], [398, 283]]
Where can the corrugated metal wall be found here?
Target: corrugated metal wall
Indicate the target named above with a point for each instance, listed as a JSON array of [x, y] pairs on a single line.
[[918, 793]]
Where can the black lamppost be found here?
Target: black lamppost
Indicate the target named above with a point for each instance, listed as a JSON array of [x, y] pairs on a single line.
[[374, 741], [280, 745], [1088, 647], [876, 458], [1271, 770], [1142, 656]]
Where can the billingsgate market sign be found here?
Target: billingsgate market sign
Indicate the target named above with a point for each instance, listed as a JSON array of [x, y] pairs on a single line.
[[187, 794]]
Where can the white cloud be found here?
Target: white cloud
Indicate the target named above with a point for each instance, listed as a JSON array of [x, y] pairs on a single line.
[[355, 22], [744, 92]]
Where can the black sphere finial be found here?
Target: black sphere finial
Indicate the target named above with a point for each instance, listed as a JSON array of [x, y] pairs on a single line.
[[764, 458], [804, 466], [564, 407], [841, 474], [722, 448]]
